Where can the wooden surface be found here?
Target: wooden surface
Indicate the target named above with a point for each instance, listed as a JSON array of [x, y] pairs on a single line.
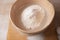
[[13, 34], [50, 32]]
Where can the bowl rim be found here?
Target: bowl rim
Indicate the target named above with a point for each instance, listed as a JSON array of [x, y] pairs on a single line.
[[34, 31]]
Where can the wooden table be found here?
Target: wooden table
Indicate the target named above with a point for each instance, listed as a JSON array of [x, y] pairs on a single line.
[[13, 34]]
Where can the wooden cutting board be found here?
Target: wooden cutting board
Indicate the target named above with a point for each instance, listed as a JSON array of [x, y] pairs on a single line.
[[13, 34]]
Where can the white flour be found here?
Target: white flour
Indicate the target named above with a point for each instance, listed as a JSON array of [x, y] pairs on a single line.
[[32, 17]]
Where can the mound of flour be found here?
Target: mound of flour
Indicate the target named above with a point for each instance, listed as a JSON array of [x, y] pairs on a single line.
[[32, 17]]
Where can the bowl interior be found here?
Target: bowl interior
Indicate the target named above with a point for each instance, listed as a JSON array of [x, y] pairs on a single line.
[[20, 5]]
